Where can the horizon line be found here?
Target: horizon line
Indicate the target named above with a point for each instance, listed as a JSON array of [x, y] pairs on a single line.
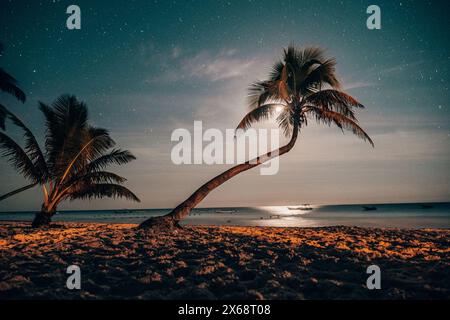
[[221, 207]]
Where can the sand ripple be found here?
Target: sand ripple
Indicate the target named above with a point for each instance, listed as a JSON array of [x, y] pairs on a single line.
[[118, 261]]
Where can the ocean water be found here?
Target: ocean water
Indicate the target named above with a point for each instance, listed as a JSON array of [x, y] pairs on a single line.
[[410, 215]]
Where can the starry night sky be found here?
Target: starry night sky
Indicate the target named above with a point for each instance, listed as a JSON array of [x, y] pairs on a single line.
[[146, 68]]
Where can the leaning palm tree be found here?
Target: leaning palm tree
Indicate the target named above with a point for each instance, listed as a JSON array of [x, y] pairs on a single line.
[[302, 85], [75, 158], [9, 84]]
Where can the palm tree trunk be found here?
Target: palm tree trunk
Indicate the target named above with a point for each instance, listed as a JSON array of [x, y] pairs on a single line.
[[172, 219], [44, 217], [9, 194]]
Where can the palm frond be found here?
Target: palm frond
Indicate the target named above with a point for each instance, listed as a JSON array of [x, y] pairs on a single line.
[[9, 85], [17, 157], [258, 114], [68, 133], [308, 54], [95, 177], [275, 73], [115, 157], [335, 101], [53, 135], [102, 142], [70, 111], [97, 142], [65, 121], [323, 73], [32, 148], [104, 177], [101, 190], [3, 115], [11, 193], [341, 121], [286, 121], [265, 92], [303, 61], [259, 94]]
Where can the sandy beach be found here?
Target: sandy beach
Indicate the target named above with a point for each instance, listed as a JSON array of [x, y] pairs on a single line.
[[118, 261]]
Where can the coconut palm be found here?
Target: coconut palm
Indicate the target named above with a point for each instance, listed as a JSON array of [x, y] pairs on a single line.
[[75, 158], [9, 84], [303, 85]]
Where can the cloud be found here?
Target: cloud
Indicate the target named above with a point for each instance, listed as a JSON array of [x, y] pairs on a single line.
[[222, 66], [358, 84], [372, 76], [398, 69], [205, 65]]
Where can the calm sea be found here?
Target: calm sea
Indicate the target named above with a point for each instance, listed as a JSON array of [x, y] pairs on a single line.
[[411, 215]]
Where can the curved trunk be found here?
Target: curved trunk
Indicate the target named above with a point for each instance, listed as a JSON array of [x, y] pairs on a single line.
[[171, 219], [44, 217]]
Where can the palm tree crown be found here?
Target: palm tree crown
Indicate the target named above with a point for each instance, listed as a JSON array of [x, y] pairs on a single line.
[[303, 85], [76, 154]]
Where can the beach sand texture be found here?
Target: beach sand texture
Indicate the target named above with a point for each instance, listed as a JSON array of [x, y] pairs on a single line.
[[118, 261]]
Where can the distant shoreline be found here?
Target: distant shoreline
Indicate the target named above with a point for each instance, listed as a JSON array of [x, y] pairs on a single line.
[[240, 207], [59, 224], [404, 216]]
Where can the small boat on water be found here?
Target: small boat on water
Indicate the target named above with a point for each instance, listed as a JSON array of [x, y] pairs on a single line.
[[305, 207], [426, 206], [369, 208], [123, 211], [225, 211]]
